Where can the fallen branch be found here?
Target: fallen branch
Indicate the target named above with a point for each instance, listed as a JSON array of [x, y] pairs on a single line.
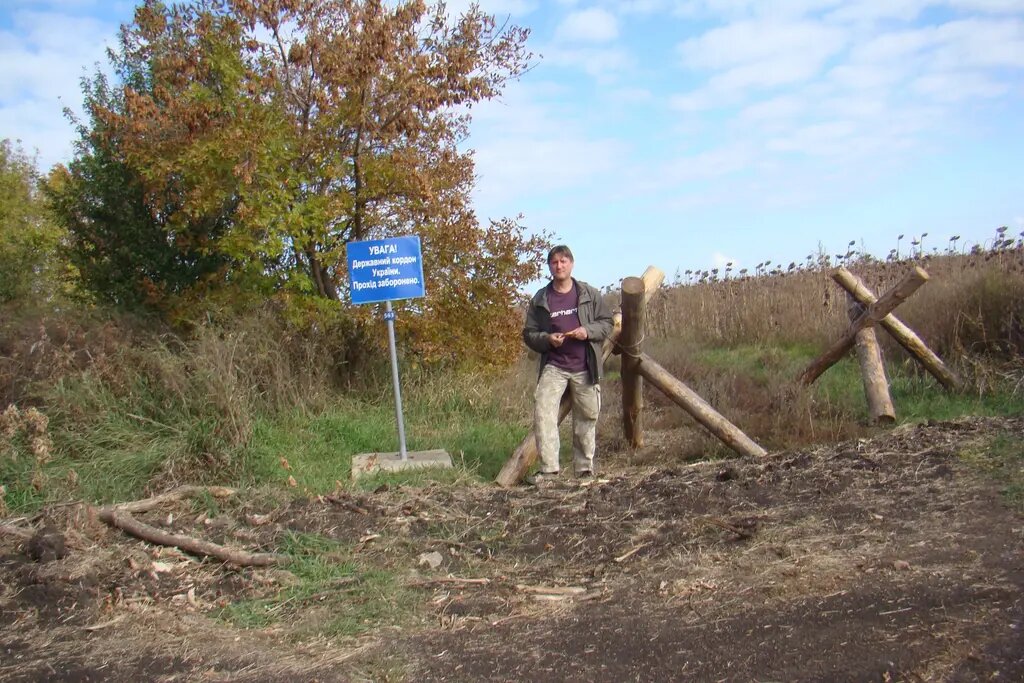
[[715, 521], [120, 516], [450, 580], [346, 504], [124, 521], [106, 624], [553, 590], [177, 494], [626, 556]]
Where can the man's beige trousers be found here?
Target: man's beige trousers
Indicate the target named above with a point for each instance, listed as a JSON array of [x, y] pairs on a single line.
[[586, 405]]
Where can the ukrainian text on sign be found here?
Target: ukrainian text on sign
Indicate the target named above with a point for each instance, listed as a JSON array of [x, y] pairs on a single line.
[[385, 270]]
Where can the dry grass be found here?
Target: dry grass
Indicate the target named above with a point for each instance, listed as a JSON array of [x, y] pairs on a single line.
[[973, 304]]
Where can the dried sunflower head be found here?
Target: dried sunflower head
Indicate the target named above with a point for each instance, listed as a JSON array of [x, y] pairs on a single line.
[[10, 420], [41, 449], [35, 422]]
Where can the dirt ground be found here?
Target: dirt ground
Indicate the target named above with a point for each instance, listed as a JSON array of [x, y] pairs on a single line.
[[894, 558]]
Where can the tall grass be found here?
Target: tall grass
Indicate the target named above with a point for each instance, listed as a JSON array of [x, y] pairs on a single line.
[[973, 303], [250, 402]]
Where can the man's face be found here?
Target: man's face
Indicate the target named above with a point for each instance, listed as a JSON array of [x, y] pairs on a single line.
[[561, 267]]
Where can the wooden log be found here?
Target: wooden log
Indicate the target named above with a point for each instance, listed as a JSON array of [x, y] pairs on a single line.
[[903, 335], [634, 322], [123, 520], [874, 312], [869, 355], [515, 468], [698, 408], [174, 495]]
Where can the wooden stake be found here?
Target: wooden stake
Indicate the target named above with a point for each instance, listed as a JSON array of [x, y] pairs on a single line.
[[634, 322], [900, 332], [698, 408], [526, 453], [875, 312], [869, 355]]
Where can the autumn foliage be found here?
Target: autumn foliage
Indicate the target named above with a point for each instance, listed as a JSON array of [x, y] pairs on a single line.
[[245, 142]]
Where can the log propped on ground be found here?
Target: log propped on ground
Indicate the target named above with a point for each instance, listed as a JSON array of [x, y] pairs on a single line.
[[120, 516], [699, 409], [872, 369]]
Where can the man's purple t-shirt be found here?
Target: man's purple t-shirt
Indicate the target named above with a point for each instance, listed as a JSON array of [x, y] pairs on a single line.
[[572, 354]]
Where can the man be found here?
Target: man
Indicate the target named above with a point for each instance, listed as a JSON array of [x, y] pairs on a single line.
[[565, 323]]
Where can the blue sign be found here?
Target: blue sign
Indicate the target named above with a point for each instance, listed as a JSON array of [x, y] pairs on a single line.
[[385, 270]]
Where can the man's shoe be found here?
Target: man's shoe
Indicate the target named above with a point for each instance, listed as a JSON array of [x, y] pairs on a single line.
[[585, 475], [538, 478]]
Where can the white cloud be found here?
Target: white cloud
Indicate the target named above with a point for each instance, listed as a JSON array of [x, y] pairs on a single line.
[[981, 42], [44, 56], [744, 8], [530, 145], [894, 47], [499, 8], [599, 62], [593, 25], [826, 138], [721, 261], [956, 86], [535, 166], [745, 42], [783, 107], [706, 165], [990, 6], [815, 88], [871, 11], [862, 77], [630, 95], [756, 54]]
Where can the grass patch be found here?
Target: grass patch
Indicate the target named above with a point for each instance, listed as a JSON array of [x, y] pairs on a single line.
[[1001, 457], [761, 363], [317, 451], [333, 594], [919, 396]]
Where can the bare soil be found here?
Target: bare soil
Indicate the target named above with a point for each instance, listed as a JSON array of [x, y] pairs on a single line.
[[894, 558]]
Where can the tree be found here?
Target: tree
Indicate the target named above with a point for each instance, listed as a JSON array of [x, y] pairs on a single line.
[[282, 130], [130, 237], [28, 238]]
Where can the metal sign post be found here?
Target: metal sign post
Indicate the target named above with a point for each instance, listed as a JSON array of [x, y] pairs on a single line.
[[383, 271], [389, 316]]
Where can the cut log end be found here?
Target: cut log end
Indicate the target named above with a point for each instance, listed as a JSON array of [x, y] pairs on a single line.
[[633, 286]]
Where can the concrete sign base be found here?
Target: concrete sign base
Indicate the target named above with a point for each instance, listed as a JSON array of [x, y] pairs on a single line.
[[365, 463]]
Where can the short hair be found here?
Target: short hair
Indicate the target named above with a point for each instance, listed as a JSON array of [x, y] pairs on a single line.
[[560, 250]]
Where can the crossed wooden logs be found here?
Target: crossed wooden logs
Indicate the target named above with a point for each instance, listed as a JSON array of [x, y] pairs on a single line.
[[865, 312]]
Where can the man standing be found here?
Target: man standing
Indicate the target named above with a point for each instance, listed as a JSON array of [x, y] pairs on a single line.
[[565, 323]]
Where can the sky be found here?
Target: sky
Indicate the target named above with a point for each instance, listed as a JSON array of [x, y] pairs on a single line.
[[687, 134]]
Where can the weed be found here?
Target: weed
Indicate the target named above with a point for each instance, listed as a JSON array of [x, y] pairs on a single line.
[[333, 593], [1002, 458]]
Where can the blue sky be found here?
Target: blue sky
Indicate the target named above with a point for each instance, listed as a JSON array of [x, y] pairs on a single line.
[[689, 133]]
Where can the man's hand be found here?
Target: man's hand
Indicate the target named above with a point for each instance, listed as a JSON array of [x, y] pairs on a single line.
[[556, 339], [579, 333]]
